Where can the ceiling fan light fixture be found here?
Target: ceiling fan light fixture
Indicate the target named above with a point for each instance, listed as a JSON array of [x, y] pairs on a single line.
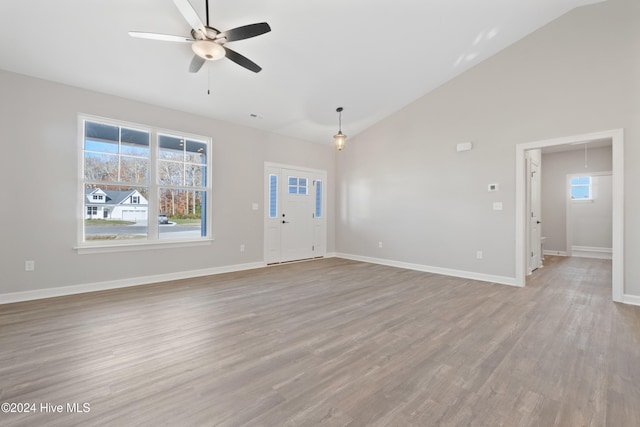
[[339, 139], [208, 49]]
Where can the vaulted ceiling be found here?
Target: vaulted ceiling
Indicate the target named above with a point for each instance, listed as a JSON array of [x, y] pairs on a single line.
[[370, 57]]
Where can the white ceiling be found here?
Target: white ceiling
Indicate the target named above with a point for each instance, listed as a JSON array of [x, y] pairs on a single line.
[[370, 57]]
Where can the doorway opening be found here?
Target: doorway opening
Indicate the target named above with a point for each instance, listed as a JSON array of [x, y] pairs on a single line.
[[522, 243]]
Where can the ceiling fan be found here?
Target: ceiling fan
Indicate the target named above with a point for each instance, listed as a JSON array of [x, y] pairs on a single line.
[[207, 42]]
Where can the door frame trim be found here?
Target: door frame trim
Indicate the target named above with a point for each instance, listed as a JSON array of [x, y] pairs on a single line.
[[617, 172], [529, 208]]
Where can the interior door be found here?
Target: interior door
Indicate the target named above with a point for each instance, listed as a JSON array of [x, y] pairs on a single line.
[[533, 202]]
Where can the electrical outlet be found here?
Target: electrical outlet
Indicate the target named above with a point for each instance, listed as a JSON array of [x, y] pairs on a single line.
[[479, 255], [241, 248], [29, 265], [379, 244]]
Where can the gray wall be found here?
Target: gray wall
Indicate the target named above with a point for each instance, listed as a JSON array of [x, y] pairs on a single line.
[[555, 168], [39, 173], [402, 181]]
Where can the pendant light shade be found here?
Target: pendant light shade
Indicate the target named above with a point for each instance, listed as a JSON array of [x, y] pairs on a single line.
[[339, 139]]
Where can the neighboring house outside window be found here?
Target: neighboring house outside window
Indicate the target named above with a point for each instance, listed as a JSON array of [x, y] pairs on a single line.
[[133, 175]]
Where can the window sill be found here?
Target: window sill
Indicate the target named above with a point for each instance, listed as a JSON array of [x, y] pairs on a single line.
[[141, 246], [582, 200]]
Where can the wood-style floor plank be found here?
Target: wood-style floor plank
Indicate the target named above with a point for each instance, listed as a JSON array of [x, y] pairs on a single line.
[[330, 343]]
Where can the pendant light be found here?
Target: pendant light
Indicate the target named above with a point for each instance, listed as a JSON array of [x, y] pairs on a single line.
[[339, 139]]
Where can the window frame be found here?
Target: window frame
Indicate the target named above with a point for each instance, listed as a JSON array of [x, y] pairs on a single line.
[[153, 239], [297, 186], [589, 187]]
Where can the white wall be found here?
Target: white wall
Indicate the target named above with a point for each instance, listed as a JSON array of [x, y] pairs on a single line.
[[38, 171], [555, 168], [403, 183], [591, 222]]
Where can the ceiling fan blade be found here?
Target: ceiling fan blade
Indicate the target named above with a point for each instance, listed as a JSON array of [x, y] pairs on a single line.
[[163, 37], [196, 64], [243, 61], [190, 15], [245, 32]]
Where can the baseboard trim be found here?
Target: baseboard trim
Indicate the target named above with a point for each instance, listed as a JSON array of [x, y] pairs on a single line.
[[591, 252], [123, 283], [502, 280], [13, 297], [555, 253], [631, 299]]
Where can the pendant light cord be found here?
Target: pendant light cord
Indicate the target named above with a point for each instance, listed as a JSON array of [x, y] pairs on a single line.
[[586, 162]]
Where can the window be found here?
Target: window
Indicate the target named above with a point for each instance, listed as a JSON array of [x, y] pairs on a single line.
[[273, 196], [297, 185], [318, 198], [581, 188], [133, 175]]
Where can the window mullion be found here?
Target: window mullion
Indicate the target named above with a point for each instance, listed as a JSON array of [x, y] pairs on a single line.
[[154, 193], [119, 152]]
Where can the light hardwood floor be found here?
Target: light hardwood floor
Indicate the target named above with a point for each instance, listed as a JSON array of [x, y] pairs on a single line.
[[330, 342]]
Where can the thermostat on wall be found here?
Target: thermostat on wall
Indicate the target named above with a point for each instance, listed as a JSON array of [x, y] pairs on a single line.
[[493, 187]]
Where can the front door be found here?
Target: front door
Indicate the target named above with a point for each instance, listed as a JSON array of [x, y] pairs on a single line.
[[295, 224], [296, 216]]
